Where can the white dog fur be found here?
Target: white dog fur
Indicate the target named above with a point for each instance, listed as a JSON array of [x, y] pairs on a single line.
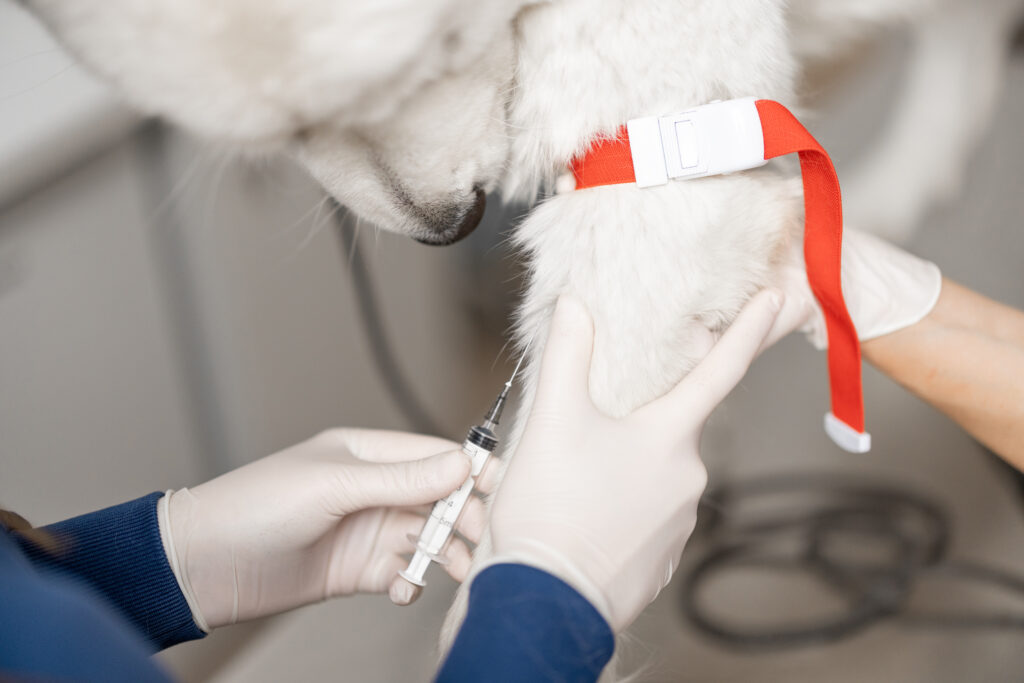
[[397, 107]]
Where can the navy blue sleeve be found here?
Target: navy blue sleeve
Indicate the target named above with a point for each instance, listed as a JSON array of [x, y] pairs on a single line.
[[524, 624], [52, 628], [117, 553]]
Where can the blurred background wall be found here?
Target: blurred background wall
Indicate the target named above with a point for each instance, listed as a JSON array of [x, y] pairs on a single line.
[[168, 311]]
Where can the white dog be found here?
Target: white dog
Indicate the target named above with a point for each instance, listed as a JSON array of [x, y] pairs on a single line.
[[397, 107]]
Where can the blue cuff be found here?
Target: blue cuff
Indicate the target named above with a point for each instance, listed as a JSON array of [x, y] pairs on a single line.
[[53, 628], [524, 624], [117, 552]]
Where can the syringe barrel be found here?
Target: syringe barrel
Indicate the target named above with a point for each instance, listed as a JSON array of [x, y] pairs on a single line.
[[446, 512]]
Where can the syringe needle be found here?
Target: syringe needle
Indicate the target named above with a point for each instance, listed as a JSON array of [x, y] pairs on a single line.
[[516, 371], [494, 414], [522, 358]]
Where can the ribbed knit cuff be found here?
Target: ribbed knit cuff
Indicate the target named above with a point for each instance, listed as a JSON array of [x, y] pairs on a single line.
[[118, 552], [524, 624]]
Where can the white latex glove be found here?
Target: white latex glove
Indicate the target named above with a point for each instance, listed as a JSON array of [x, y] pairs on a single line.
[[886, 289], [325, 518], [608, 504]]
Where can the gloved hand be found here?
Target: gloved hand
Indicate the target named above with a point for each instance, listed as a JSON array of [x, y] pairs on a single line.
[[886, 289], [608, 504], [325, 518]]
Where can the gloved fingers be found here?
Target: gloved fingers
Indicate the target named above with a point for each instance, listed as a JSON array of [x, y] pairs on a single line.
[[383, 574], [404, 526], [398, 484], [381, 445], [796, 312], [471, 523], [724, 366], [460, 558], [565, 366], [420, 511], [473, 520], [400, 591], [702, 341], [490, 477], [407, 525], [400, 527], [800, 309], [403, 592]]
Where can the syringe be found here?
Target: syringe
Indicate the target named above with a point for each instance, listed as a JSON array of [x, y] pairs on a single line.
[[479, 444]]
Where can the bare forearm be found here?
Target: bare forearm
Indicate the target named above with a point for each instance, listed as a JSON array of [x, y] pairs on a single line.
[[967, 359]]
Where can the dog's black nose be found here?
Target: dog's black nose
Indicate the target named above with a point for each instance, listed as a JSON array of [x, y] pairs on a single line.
[[470, 218], [473, 216]]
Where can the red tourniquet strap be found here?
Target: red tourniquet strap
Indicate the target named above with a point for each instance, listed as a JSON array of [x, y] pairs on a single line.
[[609, 162], [823, 253]]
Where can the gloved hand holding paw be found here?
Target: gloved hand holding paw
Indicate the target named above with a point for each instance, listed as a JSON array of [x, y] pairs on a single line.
[[607, 504], [886, 289]]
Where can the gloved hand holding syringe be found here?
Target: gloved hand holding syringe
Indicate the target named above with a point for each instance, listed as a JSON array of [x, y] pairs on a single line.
[[478, 446]]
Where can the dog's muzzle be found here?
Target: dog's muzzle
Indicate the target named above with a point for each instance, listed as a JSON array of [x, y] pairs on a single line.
[[450, 234]]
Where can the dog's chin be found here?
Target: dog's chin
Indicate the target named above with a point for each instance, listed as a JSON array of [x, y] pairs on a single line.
[[443, 231]]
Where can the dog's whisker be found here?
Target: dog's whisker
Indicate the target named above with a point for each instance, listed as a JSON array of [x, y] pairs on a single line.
[[285, 231], [222, 159], [316, 225], [180, 184]]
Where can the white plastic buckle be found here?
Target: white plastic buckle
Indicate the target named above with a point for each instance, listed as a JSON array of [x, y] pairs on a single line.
[[845, 436], [715, 138]]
